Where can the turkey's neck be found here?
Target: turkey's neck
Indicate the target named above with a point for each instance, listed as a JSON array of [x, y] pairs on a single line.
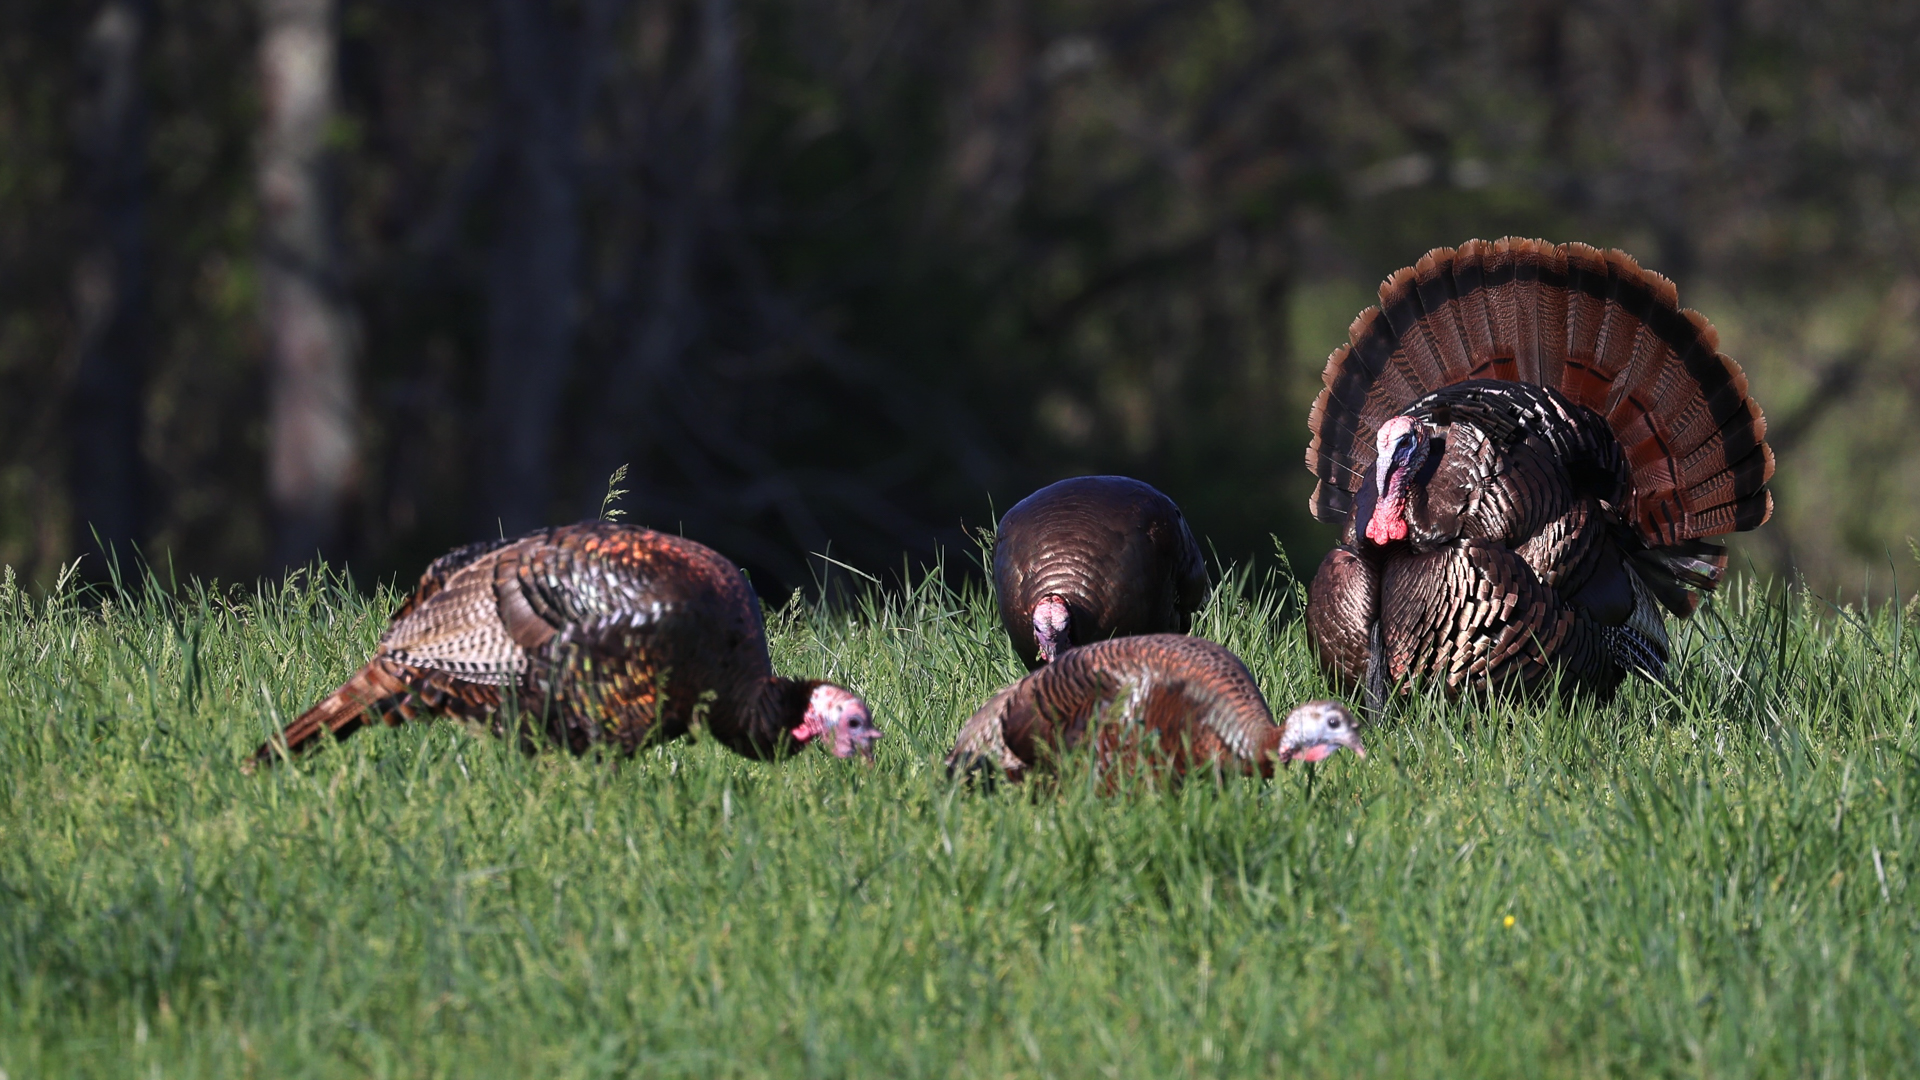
[[765, 726], [1267, 755]]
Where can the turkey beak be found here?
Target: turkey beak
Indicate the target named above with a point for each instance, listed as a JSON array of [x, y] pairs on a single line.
[[1346, 732], [863, 746]]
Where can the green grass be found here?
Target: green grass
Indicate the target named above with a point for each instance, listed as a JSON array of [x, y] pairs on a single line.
[[1713, 883]]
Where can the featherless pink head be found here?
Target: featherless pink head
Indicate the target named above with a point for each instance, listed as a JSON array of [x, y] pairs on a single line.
[[1318, 730], [840, 719], [1399, 451], [1052, 624]]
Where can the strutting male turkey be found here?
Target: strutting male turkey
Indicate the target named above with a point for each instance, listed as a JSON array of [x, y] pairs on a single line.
[[1093, 558], [592, 633], [1527, 446], [1186, 701]]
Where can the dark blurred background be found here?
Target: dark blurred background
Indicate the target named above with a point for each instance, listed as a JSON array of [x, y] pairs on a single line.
[[376, 278]]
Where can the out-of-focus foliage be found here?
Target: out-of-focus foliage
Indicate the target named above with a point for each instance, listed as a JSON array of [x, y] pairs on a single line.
[[852, 273]]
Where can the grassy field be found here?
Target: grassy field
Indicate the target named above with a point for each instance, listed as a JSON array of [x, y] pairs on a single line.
[[1707, 883]]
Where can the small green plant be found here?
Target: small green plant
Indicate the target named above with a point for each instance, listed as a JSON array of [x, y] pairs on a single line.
[[609, 511]]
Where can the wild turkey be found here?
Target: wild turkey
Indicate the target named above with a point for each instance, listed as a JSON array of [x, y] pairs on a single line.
[[592, 633], [1093, 558], [1187, 701], [1527, 446]]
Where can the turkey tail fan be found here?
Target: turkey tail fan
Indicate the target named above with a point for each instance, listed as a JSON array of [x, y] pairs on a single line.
[[1593, 325], [371, 690]]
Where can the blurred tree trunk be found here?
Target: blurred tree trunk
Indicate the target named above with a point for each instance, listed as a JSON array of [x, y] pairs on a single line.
[[309, 326], [547, 53], [110, 284]]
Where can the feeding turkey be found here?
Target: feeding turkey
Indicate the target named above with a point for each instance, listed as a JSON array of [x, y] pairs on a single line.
[[1167, 702], [1093, 558], [1528, 447], [595, 633]]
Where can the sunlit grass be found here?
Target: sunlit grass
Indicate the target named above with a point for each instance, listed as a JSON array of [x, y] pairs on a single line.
[[1711, 882]]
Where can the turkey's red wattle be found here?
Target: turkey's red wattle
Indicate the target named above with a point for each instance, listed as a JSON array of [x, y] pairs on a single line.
[[811, 727], [1389, 521]]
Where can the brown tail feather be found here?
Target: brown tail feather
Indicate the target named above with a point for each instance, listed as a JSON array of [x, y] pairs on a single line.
[[1593, 325], [1525, 298], [1446, 329], [1550, 321], [373, 689]]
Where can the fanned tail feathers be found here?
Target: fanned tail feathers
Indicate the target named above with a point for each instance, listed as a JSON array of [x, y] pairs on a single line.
[[1593, 325]]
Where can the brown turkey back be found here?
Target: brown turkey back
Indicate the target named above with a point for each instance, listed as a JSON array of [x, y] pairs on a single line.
[[1593, 325], [1115, 549]]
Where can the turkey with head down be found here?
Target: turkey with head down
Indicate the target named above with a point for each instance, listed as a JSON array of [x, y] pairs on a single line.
[[595, 633], [1168, 702], [1527, 447], [1093, 558]]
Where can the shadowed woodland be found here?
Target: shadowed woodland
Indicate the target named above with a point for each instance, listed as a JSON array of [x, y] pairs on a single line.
[[282, 277]]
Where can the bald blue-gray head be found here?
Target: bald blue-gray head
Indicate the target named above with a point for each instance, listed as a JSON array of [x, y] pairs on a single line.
[[1317, 730]]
